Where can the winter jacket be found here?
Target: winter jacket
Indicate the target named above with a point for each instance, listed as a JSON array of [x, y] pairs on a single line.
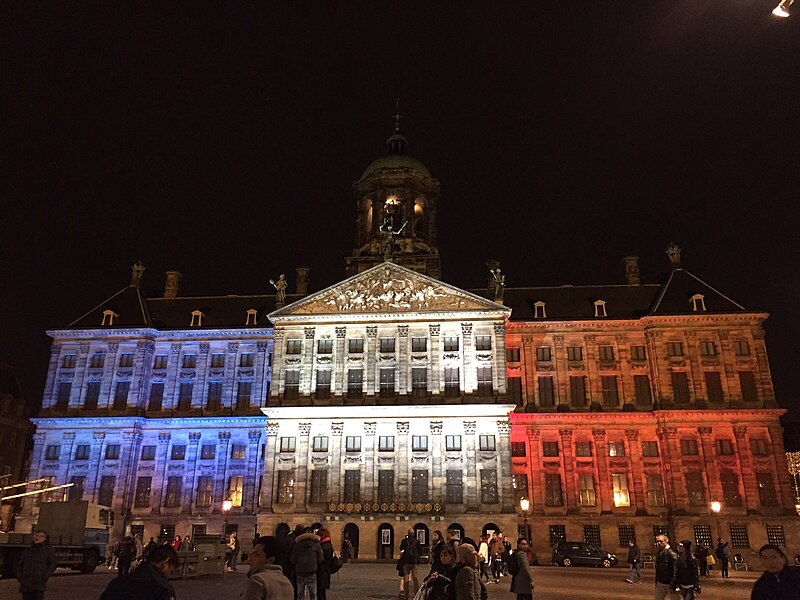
[[633, 555], [468, 585], [146, 582], [268, 583], [496, 549], [436, 557], [37, 564], [483, 552], [722, 551], [306, 554], [688, 571], [126, 550], [439, 587], [521, 583], [324, 571], [410, 550], [667, 567], [786, 586]]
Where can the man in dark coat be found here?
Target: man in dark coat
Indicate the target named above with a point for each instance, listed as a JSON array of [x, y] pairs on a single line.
[[306, 558], [779, 581], [37, 564], [633, 562], [722, 556], [522, 582], [324, 571], [151, 545], [126, 552], [666, 569], [409, 557], [148, 581]]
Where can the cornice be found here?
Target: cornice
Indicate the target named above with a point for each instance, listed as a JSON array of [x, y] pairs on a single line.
[[143, 423], [692, 417], [398, 317], [159, 334]]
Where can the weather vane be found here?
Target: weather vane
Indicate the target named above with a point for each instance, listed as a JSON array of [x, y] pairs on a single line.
[[397, 116]]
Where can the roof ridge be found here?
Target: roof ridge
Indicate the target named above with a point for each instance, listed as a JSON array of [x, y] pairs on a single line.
[[106, 301]]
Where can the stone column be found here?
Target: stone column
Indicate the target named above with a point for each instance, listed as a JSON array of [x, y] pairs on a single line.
[[221, 476], [499, 354], [781, 468], [81, 371], [336, 474], [261, 376], [200, 390], [231, 380], [307, 374], [190, 479], [504, 467], [468, 364], [251, 480], [635, 470], [142, 363], [370, 375], [276, 385], [126, 475], [49, 396], [435, 383], [370, 464], [160, 473], [403, 464], [568, 462], [766, 393], [35, 471], [438, 475], [535, 472], [694, 372], [301, 486], [171, 386], [66, 456], [749, 485], [403, 366], [707, 457], [339, 374], [528, 367], [593, 385], [604, 492], [268, 476], [671, 463], [95, 458], [471, 480], [110, 375]]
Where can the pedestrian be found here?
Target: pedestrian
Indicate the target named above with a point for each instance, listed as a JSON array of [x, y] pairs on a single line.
[[265, 578], [126, 552], [233, 551], [291, 541], [453, 538], [37, 564], [151, 545], [139, 548], [148, 581], [701, 553], [520, 569], [468, 584], [722, 556], [176, 543], [508, 550], [187, 544], [440, 580], [306, 558], [437, 545], [688, 571], [496, 551], [779, 581], [283, 557], [483, 559], [666, 569], [634, 556], [347, 549], [324, 571], [409, 554]]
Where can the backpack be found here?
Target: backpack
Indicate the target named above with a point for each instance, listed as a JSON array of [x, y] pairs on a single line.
[[513, 565], [336, 564]]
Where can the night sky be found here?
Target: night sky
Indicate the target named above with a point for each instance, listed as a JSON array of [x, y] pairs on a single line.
[[565, 135]]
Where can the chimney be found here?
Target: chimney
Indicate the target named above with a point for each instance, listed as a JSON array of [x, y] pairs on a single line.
[[632, 270], [491, 265], [171, 285], [301, 278]]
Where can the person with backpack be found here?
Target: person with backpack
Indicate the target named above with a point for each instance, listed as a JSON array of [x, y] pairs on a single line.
[[409, 557], [330, 564], [307, 558], [520, 570], [126, 552]]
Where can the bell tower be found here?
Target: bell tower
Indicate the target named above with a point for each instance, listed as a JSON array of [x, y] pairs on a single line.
[[396, 201]]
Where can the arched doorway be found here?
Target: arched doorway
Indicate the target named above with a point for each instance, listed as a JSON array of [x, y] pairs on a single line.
[[282, 530], [489, 528], [385, 541], [458, 529], [351, 533], [423, 535]]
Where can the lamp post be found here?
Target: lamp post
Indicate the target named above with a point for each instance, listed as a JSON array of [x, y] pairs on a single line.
[[226, 507], [524, 505], [715, 508]]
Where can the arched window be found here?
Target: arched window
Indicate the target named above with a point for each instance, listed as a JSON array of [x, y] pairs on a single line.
[[367, 218], [420, 218]]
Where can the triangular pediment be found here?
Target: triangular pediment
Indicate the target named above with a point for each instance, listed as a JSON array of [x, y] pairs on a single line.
[[388, 288]]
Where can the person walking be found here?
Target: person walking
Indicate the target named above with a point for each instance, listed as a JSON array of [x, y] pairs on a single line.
[[484, 561], [496, 551], [722, 556], [507, 552], [37, 565], [126, 552], [468, 584], [666, 569], [148, 581], [701, 553], [688, 571], [233, 551], [779, 581], [324, 571], [520, 570], [139, 548], [437, 545], [634, 555], [265, 578], [151, 545], [306, 558], [409, 555]]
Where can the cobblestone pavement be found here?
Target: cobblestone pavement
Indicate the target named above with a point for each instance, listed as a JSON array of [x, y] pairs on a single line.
[[379, 582]]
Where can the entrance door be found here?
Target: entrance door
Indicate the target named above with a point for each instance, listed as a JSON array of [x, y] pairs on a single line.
[[351, 533]]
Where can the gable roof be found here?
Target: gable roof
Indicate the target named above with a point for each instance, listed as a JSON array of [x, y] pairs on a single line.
[[129, 303], [675, 297]]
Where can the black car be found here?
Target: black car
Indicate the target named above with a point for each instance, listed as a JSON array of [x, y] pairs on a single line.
[[581, 554]]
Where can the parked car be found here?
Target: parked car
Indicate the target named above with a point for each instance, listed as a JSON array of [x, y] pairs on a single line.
[[581, 554]]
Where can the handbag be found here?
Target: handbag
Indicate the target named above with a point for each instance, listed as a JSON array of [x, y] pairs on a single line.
[[710, 560]]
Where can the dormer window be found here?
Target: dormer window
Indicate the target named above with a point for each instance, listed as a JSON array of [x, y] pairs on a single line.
[[600, 308], [252, 317], [197, 318], [539, 311], [108, 318], [698, 303]]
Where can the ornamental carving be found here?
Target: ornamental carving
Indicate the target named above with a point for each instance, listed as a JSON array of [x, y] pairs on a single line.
[[500, 328], [99, 436], [534, 434], [176, 349], [599, 434], [352, 459], [130, 436], [369, 428], [372, 331], [355, 359], [233, 346], [402, 330], [453, 458], [589, 339], [163, 437], [740, 432], [451, 356], [436, 427], [272, 429], [469, 427], [247, 372], [341, 332], [204, 347], [503, 427], [324, 359], [632, 435], [488, 458], [419, 357], [386, 357], [293, 361], [224, 436], [484, 357], [68, 436], [558, 341], [262, 346], [466, 328], [337, 428], [305, 429], [194, 437], [621, 339], [319, 460], [419, 459], [402, 427], [434, 329], [386, 460], [254, 435], [113, 347], [309, 332], [84, 348], [704, 431], [277, 333], [566, 435], [285, 459]]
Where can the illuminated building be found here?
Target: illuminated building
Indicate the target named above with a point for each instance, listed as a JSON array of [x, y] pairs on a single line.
[[14, 436]]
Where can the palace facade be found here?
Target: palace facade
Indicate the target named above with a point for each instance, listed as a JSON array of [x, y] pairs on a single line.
[[393, 400]]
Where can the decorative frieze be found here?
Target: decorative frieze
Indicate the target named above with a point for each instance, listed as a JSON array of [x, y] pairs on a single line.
[[337, 428], [305, 429], [402, 427], [469, 427], [272, 428]]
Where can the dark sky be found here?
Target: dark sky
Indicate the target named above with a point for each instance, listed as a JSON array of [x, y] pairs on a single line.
[[224, 144]]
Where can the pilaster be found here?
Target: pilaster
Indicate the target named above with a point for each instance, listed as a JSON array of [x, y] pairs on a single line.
[[222, 458], [369, 477], [436, 383], [707, 455], [438, 475], [268, 476], [336, 475], [160, 473], [339, 375], [188, 497], [95, 459], [370, 356], [303, 454], [471, 480], [403, 472], [568, 465], [635, 471], [468, 363], [535, 471], [504, 467], [605, 496], [499, 359]]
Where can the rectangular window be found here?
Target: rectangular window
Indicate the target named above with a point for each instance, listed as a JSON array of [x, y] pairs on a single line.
[[238, 451], [352, 486], [739, 536], [160, 361], [386, 443], [689, 447], [747, 381], [355, 383], [695, 489], [586, 492], [214, 401], [82, 452], [544, 354], [758, 447], [451, 344], [552, 490], [353, 443], [546, 392], [419, 344], [387, 382], [98, 360], [419, 443], [519, 482], [189, 361], [288, 444], [385, 486], [112, 451], [655, 489], [173, 496], [285, 492], [649, 448], [583, 448], [674, 349], [105, 494], [246, 360], [512, 354], [638, 353], [730, 489], [148, 453], [775, 535], [453, 443], [243, 393], [142, 499], [485, 386], [622, 496], [714, 386], [591, 535], [178, 452], [205, 491], [641, 384], [486, 443], [766, 489], [517, 448], [78, 485], [724, 447], [616, 448], [702, 535], [606, 353], [208, 452], [355, 346], [577, 391], [610, 391], [185, 396], [320, 443], [387, 345], [550, 448], [126, 360], [419, 382], [574, 353], [452, 386], [627, 533], [741, 348], [483, 342], [455, 488], [294, 346], [419, 485], [515, 390], [708, 349], [325, 346], [217, 361], [680, 387], [121, 395], [291, 386], [323, 384], [93, 394], [68, 361], [488, 486], [236, 489], [558, 533], [62, 399], [319, 486]]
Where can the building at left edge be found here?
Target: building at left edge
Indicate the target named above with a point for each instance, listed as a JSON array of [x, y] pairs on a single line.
[[15, 428]]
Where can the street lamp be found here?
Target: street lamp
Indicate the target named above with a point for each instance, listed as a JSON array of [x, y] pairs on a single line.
[[782, 10], [715, 508], [227, 504], [524, 505]]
